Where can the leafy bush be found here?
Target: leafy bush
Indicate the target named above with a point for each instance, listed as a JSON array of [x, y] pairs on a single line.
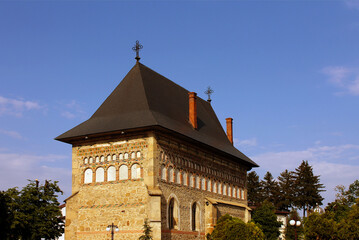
[[231, 228]]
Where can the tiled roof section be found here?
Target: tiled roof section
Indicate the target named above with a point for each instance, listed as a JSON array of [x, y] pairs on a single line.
[[145, 98]]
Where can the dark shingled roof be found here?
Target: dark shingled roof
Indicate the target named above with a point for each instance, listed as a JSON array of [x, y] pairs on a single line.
[[145, 98]]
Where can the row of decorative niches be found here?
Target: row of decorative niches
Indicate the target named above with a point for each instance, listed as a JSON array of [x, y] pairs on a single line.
[[222, 172], [195, 181], [112, 173], [112, 157]]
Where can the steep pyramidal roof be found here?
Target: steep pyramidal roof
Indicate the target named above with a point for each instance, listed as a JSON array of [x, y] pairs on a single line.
[[145, 98]]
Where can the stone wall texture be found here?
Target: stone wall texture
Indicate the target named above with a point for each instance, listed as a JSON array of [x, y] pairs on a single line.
[[127, 203]]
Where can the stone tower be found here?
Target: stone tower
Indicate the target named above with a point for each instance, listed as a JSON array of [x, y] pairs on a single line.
[[153, 150]]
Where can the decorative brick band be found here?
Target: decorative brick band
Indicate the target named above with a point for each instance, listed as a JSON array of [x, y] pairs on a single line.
[[183, 232], [105, 232], [114, 182], [117, 205]]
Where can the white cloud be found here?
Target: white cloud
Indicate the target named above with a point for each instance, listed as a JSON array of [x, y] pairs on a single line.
[[68, 115], [245, 143], [354, 4], [344, 78], [335, 164], [16, 107], [16, 168], [72, 110], [12, 134]]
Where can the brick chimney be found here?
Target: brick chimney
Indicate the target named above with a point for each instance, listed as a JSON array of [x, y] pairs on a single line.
[[230, 129], [192, 109]]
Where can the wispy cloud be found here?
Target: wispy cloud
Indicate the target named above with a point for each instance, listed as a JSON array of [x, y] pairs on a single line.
[[16, 107], [252, 142], [353, 4], [335, 164], [16, 168], [72, 109], [12, 134], [344, 78]]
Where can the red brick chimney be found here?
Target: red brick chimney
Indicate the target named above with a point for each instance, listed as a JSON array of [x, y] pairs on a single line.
[[230, 129], [193, 109]]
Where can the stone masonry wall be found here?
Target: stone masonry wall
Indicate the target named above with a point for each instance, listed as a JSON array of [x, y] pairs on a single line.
[[212, 177], [96, 205]]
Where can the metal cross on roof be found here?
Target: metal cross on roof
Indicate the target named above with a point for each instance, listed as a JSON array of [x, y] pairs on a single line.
[[137, 49], [209, 91]]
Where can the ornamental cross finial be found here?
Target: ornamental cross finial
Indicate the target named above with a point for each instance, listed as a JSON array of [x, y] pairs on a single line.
[[137, 49], [209, 91]]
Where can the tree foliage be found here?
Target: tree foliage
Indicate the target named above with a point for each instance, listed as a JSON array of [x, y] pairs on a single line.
[[266, 218], [231, 228], [340, 220], [285, 196], [320, 227], [270, 188], [32, 213], [308, 187], [147, 231], [254, 189], [299, 188]]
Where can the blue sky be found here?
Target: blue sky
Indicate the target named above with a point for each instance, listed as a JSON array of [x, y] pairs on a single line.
[[286, 71]]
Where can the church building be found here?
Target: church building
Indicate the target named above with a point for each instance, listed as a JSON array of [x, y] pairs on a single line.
[[153, 150]]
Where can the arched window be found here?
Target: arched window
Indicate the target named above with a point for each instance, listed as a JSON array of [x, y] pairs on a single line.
[[86, 161], [185, 180], [100, 174], [97, 159], [197, 182], [108, 158], [102, 158], [215, 187], [224, 189], [242, 194], [220, 188], [229, 190], [191, 180], [171, 174], [133, 155], [114, 157], [173, 213], [209, 187], [88, 176], [91, 160], [135, 171], [164, 173], [178, 176], [123, 172], [203, 184], [111, 173], [138, 154], [233, 192], [126, 155], [121, 156], [195, 217], [238, 193]]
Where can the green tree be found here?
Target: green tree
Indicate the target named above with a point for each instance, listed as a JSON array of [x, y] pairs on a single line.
[[254, 188], [286, 192], [6, 217], [270, 188], [320, 227], [348, 227], [34, 212], [231, 228], [344, 200], [147, 231], [307, 187], [266, 218]]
